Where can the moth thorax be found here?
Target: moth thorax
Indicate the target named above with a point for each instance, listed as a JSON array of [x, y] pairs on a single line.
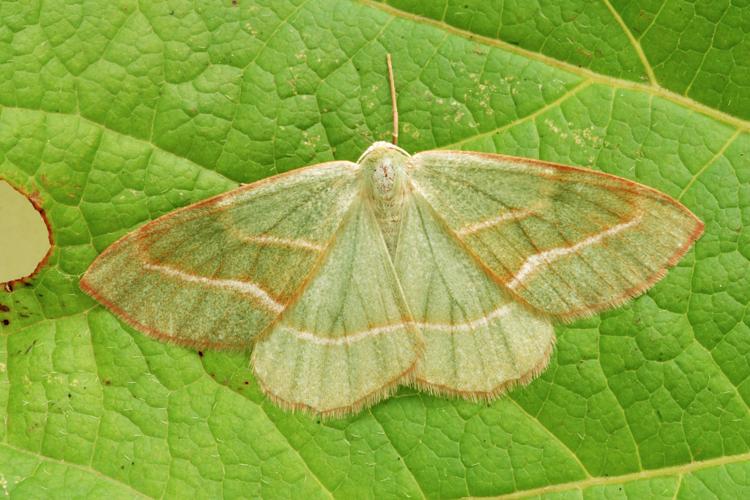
[[385, 178], [384, 170]]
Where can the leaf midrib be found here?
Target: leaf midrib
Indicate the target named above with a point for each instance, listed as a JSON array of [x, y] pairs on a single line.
[[676, 470]]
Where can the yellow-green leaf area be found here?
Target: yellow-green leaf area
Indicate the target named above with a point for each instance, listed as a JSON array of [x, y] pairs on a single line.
[[114, 113]]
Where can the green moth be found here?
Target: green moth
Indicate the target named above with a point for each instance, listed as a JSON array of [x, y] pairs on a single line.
[[443, 270]]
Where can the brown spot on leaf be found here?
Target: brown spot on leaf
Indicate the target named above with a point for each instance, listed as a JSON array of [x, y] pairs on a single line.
[[6, 322], [4, 308]]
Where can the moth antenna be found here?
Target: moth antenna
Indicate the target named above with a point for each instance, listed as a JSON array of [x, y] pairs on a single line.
[[394, 105]]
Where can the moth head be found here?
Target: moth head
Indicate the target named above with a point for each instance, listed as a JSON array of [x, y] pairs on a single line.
[[384, 168]]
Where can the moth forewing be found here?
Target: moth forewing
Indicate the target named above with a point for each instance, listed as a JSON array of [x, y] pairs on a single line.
[[568, 241], [217, 273]]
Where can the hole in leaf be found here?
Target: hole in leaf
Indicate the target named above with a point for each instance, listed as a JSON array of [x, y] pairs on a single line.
[[25, 239]]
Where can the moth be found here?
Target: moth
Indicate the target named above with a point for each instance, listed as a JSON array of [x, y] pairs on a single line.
[[443, 270]]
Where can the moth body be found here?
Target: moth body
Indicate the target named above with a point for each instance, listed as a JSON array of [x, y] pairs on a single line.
[[386, 187]]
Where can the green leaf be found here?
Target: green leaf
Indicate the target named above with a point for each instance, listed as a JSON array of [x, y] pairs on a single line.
[[695, 49], [114, 113]]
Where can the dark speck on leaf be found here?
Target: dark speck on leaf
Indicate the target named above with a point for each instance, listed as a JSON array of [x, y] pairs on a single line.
[[6, 322], [4, 308], [107, 382], [70, 395], [30, 347], [200, 353], [247, 382]]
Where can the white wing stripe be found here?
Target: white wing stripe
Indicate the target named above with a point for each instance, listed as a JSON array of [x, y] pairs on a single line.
[[548, 256], [469, 325], [245, 287], [285, 242], [357, 336]]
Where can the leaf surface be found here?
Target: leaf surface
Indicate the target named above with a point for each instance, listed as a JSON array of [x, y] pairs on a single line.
[[114, 113]]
